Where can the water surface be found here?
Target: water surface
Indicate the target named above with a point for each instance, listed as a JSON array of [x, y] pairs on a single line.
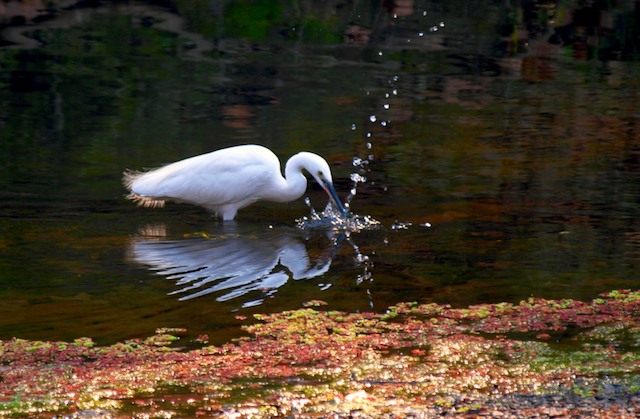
[[502, 159]]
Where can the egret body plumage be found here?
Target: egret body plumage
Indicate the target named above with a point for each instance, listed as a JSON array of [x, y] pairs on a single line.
[[226, 180]]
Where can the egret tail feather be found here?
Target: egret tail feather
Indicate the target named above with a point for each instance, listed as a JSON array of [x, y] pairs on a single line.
[[130, 176], [146, 201]]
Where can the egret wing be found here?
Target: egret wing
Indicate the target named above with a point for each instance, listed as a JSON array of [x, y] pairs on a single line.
[[210, 180]]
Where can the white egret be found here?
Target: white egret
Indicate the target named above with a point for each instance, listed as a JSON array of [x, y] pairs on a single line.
[[226, 180]]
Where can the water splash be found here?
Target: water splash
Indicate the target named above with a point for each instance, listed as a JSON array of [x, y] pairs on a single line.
[[358, 162], [364, 261], [401, 225], [341, 229], [331, 219]]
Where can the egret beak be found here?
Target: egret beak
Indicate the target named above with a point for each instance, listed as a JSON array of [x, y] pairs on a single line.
[[328, 186]]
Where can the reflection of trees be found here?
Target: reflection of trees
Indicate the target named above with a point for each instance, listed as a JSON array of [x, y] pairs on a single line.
[[590, 29], [39, 18]]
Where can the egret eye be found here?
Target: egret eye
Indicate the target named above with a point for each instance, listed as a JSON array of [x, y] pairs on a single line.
[[320, 174]]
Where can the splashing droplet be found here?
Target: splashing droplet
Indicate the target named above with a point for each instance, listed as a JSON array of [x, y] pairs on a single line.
[[401, 225], [373, 118], [355, 177], [358, 162], [331, 219]]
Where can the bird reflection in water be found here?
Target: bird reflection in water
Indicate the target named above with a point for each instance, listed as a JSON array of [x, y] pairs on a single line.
[[230, 262]]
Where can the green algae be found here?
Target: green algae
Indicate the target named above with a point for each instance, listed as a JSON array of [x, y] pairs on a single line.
[[329, 361]]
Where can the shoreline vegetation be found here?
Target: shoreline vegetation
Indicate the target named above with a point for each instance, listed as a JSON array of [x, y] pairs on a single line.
[[546, 358]]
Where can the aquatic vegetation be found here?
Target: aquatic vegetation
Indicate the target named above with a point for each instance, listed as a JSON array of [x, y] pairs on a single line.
[[414, 359]]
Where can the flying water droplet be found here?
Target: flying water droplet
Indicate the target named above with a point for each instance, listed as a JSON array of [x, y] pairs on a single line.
[[366, 276], [401, 225], [353, 127], [386, 106], [369, 146], [357, 178], [372, 118], [358, 162]]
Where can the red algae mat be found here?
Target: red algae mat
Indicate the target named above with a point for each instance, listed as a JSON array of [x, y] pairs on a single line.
[[538, 358]]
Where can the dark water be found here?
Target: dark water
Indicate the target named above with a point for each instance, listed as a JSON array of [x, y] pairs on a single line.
[[513, 131]]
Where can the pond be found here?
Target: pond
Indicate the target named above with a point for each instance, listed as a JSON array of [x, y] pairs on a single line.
[[500, 146]]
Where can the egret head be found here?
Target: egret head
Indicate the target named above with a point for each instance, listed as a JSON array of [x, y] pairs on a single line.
[[321, 172]]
